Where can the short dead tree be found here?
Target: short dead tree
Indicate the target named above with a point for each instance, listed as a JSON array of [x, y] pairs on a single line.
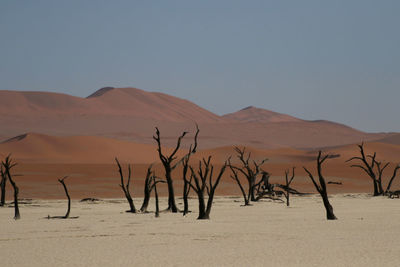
[[203, 181], [287, 185], [3, 183], [66, 216], [170, 163], [125, 188], [8, 165], [66, 193], [321, 187], [235, 176], [374, 169], [250, 169]]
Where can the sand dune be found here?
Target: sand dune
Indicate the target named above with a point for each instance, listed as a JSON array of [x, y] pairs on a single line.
[[41, 148], [253, 114], [131, 114]]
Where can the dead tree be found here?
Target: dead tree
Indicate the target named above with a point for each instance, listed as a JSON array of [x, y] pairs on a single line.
[[321, 187], [250, 169], [374, 169], [170, 163], [3, 186], [125, 188], [235, 176], [203, 181], [186, 182], [287, 185], [157, 214], [8, 165], [148, 187], [186, 185], [69, 199]]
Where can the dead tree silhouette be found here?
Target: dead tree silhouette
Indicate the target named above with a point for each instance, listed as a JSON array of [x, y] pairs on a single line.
[[148, 187], [66, 193], [287, 185], [170, 163], [235, 176], [203, 180], [250, 169], [66, 216], [321, 187], [186, 185], [8, 165], [374, 169], [3, 186], [125, 188], [186, 182], [157, 214]]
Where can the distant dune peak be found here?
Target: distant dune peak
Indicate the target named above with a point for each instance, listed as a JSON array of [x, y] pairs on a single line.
[[249, 107], [101, 91], [254, 114]]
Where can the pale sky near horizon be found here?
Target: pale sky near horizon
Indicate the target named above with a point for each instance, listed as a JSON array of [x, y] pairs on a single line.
[[334, 60]]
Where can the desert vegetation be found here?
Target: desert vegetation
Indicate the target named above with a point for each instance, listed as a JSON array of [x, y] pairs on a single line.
[[374, 170], [202, 178]]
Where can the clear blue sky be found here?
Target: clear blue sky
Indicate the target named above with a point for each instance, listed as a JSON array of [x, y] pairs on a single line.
[[336, 60]]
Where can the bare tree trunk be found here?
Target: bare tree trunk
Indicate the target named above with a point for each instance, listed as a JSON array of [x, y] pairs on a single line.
[[148, 187], [202, 207], [287, 186], [186, 191], [202, 181], [66, 192], [17, 216], [8, 165], [328, 208], [156, 195], [3, 186], [125, 189], [235, 177], [321, 187], [167, 162], [392, 179], [376, 192]]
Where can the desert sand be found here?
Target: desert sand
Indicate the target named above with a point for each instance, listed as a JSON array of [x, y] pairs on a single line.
[[265, 234]]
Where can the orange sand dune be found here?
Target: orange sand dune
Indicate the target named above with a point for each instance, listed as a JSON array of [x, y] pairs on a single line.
[[41, 148], [131, 114]]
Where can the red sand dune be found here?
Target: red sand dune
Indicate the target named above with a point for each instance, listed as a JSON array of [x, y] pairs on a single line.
[[131, 114], [253, 114], [89, 161], [41, 148]]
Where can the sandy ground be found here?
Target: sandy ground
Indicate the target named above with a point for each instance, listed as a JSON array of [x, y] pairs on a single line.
[[265, 234]]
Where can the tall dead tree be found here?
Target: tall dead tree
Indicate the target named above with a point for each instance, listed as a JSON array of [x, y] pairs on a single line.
[[250, 169], [186, 182], [66, 193], [321, 187], [125, 188], [3, 186], [186, 185], [203, 181], [8, 165], [374, 169], [287, 185], [170, 163], [157, 214]]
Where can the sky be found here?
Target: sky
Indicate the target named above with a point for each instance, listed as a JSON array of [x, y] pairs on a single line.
[[313, 59]]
